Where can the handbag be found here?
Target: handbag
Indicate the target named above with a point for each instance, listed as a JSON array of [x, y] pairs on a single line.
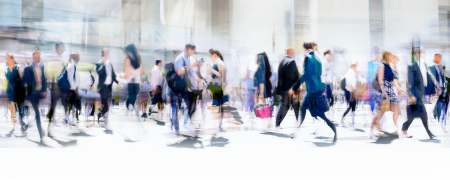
[[375, 83], [262, 111]]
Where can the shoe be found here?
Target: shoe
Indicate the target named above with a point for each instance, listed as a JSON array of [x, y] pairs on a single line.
[[408, 136], [50, 135], [444, 131], [342, 121], [278, 128], [334, 139], [432, 136], [99, 115], [144, 115]]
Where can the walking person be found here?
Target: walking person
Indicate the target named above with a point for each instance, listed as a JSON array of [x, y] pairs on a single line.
[[218, 83], [445, 103], [262, 83], [416, 90], [36, 87], [438, 72], [133, 72], [327, 76], [55, 64], [69, 96], [13, 77], [350, 90], [156, 88], [314, 88], [288, 83], [106, 77], [389, 90]]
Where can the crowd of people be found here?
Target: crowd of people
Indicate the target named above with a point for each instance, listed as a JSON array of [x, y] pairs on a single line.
[[184, 86]]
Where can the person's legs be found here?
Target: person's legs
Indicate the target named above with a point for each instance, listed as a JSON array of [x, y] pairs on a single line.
[[55, 94], [12, 109], [424, 119], [330, 95], [35, 103], [444, 115], [303, 110], [329, 123], [406, 125], [347, 97], [282, 113]]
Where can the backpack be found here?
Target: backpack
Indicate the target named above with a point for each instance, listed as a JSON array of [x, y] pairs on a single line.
[[180, 82], [171, 77], [343, 84], [63, 82]]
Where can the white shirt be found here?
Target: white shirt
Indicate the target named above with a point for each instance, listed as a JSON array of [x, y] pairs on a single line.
[[70, 71], [350, 79], [423, 71], [438, 70], [327, 70], [108, 70], [156, 77]]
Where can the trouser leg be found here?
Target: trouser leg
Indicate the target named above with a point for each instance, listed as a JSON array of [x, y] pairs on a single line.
[[329, 123], [407, 123], [282, 113], [424, 119], [35, 103]]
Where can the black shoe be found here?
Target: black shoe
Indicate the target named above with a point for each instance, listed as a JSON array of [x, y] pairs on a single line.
[[432, 136], [144, 115], [50, 135], [334, 139]]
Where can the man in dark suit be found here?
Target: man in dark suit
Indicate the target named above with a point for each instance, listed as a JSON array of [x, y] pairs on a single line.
[[438, 74], [106, 76], [312, 69], [415, 90], [36, 85], [288, 83]]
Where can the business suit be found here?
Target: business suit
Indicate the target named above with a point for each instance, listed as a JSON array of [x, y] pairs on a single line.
[[312, 69], [288, 78], [415, 87], [104, 90], [438, 72], [35, 91]]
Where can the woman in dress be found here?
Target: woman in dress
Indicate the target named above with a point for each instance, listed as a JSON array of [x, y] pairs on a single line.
[[133, 72], [261, 82], [389, 90], [13, 77], [218, 79]]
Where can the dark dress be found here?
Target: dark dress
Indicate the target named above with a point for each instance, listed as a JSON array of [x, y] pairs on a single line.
[[13, 83], [260, 78], [218, 97]]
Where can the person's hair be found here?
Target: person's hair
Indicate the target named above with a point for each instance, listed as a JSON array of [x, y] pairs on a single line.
[[263, 63], [217, 52], [74, 55], [437, 54], [133, 55], [386, 56], [58, 44], [189, 46], [36, 50], [158, 61], [11, 56], [326, 52], [104, 50], [354, 63], [308, 45]]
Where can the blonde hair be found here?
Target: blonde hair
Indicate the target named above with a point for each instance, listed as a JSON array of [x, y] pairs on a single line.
[[386, 56], [354, 63]]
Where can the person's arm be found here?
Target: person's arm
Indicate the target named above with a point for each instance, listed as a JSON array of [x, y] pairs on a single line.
[[20, 72], [380, 72], [142, 70], [305, 71], [70, 73], [293, 68]]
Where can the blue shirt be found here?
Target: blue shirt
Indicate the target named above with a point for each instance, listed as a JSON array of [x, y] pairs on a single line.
[[181, 61]]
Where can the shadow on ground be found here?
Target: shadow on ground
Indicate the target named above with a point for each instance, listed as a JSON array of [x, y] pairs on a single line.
[[386, 140], [277, 134], [191, 142]]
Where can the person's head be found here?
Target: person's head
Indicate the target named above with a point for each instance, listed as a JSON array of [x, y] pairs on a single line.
[[105, 53], [395, 59], [327, 52], [37, 56], [263, 62], [158, 62], [354, 65], [314, 46], [215, 54], [291, 52], [90, 72], [189, 49], [437, 58], [75, 56], [59, 48], [132, 54], [387, 57], [308, 45], [10, 59]]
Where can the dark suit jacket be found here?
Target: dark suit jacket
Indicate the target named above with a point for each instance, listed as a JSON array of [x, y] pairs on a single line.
[[312, 71], [431, 87], [29, 79], [288, 75], [416, 88], [101, 71]]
